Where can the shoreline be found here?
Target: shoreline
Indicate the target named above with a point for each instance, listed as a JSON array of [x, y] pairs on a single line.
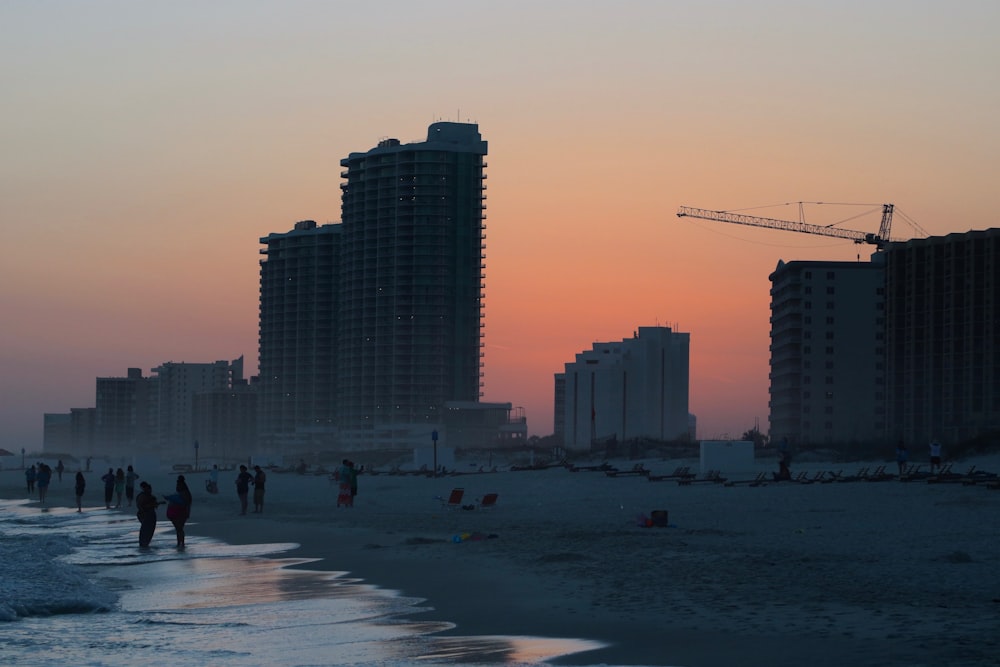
[[853, 573]]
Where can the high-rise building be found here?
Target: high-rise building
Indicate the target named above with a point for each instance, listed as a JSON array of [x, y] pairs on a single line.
[[410, 326], [297, 353], [827, 380], [173, 388], [943, 335], [635, 388]]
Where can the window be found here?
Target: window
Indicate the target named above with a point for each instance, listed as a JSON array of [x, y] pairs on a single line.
[[829, 320], [829, 290], [829, 379], [829, 335], [829, 275], [829, 365], [829, 350]]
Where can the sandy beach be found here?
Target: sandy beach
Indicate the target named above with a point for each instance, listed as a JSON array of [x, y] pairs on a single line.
[[841, 573]]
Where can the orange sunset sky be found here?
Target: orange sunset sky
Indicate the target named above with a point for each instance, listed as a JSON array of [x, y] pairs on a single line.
[[146, 147]]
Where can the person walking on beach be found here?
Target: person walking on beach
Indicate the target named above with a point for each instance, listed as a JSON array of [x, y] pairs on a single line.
[[30, 474], [59, 470], [212, 483], [130, 477], [43, 478], [935, 456], [243, 487], [119, 486], [902, 456], [81, 485], [259, 480], [146, 505], [344, 496], [109, 487], [179, 509], [354, 481]]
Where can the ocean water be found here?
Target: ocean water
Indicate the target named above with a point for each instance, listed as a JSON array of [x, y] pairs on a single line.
[[75, 589]]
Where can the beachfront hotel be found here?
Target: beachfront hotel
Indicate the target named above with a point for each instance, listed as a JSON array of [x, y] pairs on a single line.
[[827, 378], [412, 284], [371, 329], [616, 392]]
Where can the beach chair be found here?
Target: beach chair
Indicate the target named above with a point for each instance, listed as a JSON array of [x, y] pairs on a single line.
[[455, 499], [679, 472], [489, 501]]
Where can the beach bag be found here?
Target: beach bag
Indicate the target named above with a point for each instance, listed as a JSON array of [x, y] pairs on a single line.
[[175, 511]]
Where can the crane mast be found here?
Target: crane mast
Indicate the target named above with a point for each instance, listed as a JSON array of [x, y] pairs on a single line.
[[880, 240]]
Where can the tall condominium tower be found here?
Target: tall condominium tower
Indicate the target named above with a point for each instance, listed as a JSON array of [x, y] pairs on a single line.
[[828, 352], [299, 281], [943, 330], [412, 280]]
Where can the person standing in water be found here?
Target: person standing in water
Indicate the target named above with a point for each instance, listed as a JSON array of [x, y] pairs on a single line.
[[44, 476], [130, 477], [179, 509], [81, 485], [109, 487], [146, 504]]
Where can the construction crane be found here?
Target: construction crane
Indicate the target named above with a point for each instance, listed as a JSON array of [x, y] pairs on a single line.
[[879, 240]]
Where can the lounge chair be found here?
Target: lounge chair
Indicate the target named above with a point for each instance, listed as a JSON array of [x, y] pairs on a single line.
[[637, 469], [488, 502], [759, 480], [455, 499], [680, 472], [713, 476]]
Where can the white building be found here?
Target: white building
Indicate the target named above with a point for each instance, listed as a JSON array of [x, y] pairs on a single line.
[[635, 388]]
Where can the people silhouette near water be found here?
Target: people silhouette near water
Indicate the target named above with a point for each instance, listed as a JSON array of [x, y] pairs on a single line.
[[146, 505], [119, 486], [243, 487], [30, 475], [259, 480], [81, 486], [59, 470], [43, 478], [109, 487], [130, 477], [179, 508]]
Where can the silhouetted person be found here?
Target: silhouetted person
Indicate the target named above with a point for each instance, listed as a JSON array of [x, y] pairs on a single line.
[[243, 487], [259, 481], [902, 456], [130, 477], [146, 505], [59, 469], [179, 509], [81, 485], [44, 476], [935, 456], [109, 487]]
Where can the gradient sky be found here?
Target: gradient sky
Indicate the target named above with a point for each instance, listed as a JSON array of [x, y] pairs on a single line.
[[146, 147]]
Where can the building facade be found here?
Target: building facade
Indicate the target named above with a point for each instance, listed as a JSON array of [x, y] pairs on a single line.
[[828, 348], [633, 389], [412, 284], [943, 329], [297, 348]]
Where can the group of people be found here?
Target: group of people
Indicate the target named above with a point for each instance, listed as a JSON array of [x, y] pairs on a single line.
[[178, 511], [243, 481], [903, 456], [39, 476], [118, 483]]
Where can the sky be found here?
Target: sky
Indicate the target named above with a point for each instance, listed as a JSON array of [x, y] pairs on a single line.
[[145, 148]]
